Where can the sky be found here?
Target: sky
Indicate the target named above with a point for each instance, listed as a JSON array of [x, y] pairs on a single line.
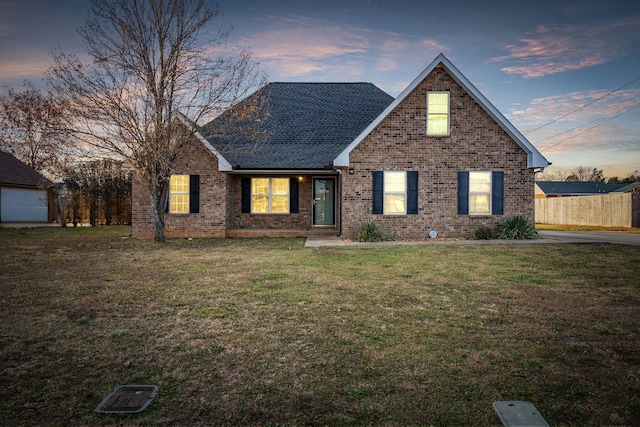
[[565, 73]]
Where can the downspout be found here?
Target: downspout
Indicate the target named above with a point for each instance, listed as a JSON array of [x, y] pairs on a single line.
[[340, 202]]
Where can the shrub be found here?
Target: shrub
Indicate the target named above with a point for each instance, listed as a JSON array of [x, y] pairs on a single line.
[[484, 233], [517, 228], [370, 231]]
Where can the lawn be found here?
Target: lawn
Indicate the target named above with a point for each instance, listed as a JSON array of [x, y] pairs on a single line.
[[267, 332]]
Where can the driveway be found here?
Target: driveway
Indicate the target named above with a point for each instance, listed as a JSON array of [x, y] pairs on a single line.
[[618, 237]]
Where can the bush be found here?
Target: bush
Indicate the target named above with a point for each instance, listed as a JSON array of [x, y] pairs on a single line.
[[484, 233], [370, 231], [517, 228]]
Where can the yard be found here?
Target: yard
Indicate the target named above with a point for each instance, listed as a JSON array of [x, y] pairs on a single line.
[[267, 332]]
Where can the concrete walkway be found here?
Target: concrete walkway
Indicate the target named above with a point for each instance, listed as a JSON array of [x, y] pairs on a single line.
[[545, 237]]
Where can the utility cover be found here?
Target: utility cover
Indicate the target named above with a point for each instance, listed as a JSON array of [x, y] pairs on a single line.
[[128, 399], [519, 414]]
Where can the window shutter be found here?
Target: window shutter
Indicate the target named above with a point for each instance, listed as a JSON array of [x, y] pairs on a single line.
[[463, 193], [378, 192], [194, 193], [294, 206], [412, 192], [246, 195], [497, 193]]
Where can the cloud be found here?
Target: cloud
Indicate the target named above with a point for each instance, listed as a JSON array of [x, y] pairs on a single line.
[[596, 103], [611, 122], [23, 67], [560, 48], [298, 46]]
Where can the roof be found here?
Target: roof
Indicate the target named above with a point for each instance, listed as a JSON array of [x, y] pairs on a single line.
[[14, 172], [310, 125], [627, 187], [576, 188], [534, 158]]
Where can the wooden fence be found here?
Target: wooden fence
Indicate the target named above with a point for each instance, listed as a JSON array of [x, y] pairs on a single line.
[[607, 210]]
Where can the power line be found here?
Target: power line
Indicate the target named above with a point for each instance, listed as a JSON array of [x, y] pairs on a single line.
[[584, 106], [601, 120]]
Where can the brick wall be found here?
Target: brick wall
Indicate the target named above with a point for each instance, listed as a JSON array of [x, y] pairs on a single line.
[[399, 142], [210, 222], [301, 221]]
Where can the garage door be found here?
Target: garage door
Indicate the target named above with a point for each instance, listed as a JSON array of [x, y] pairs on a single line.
[[23, 205]]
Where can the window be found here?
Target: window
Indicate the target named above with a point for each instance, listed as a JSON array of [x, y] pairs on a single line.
[[481, 193], [395, 192], [269, 195], [179, 194], [184, 194], [437, 113]]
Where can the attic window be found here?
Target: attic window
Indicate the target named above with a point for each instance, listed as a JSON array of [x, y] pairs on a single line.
[[437, 113]]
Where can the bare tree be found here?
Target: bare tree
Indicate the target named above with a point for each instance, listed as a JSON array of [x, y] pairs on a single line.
[[153, 62], [32, 128]]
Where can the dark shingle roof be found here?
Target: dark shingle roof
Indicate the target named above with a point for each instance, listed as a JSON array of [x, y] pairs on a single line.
[[567, 188], [310, 124], [14, 172]]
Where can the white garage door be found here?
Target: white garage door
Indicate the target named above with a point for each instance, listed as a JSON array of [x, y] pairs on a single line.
[[23, 205]]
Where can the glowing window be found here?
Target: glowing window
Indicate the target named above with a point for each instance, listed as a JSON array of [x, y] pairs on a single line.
[[270, 195], [479, 193], [437, 113], [179, 194], [395, 192]]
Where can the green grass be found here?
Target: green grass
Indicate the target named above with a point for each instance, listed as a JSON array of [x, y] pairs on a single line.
[[267, 332]]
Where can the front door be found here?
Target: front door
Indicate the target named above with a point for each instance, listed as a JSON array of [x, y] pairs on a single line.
[[324, 201]]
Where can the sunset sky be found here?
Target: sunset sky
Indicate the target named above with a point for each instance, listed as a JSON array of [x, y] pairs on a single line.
[[565, 73]]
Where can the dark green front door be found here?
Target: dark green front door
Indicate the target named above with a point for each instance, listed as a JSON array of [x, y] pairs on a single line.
[[324, 201]]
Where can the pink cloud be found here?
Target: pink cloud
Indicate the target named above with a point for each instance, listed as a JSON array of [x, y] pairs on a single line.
[[556, 49], [610, 122], [22, 67], [298, 46]]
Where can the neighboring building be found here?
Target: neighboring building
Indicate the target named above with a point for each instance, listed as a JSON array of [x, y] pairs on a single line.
[[628, 188], [25, 195], [573, 188], [439, 157]]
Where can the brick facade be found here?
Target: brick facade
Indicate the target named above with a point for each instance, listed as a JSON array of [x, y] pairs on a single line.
[[476, 143], [246, 224], [398, 143], [194, 159], [220, 205]]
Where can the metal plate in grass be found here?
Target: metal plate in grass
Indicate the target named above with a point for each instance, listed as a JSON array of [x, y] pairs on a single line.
[[519, 414], [128, 399]]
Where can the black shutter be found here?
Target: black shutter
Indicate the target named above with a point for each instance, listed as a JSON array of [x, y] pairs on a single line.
[[194, 193], [378, 192], [294, 206], [412, 192], [463, 193], [497, 193], [246, 195]]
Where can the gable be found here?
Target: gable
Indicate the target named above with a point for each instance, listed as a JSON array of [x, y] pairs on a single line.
[[534, 157]]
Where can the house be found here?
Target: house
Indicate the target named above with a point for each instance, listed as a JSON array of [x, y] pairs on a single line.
[[573, 188], [440, 157], [25, 195]]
